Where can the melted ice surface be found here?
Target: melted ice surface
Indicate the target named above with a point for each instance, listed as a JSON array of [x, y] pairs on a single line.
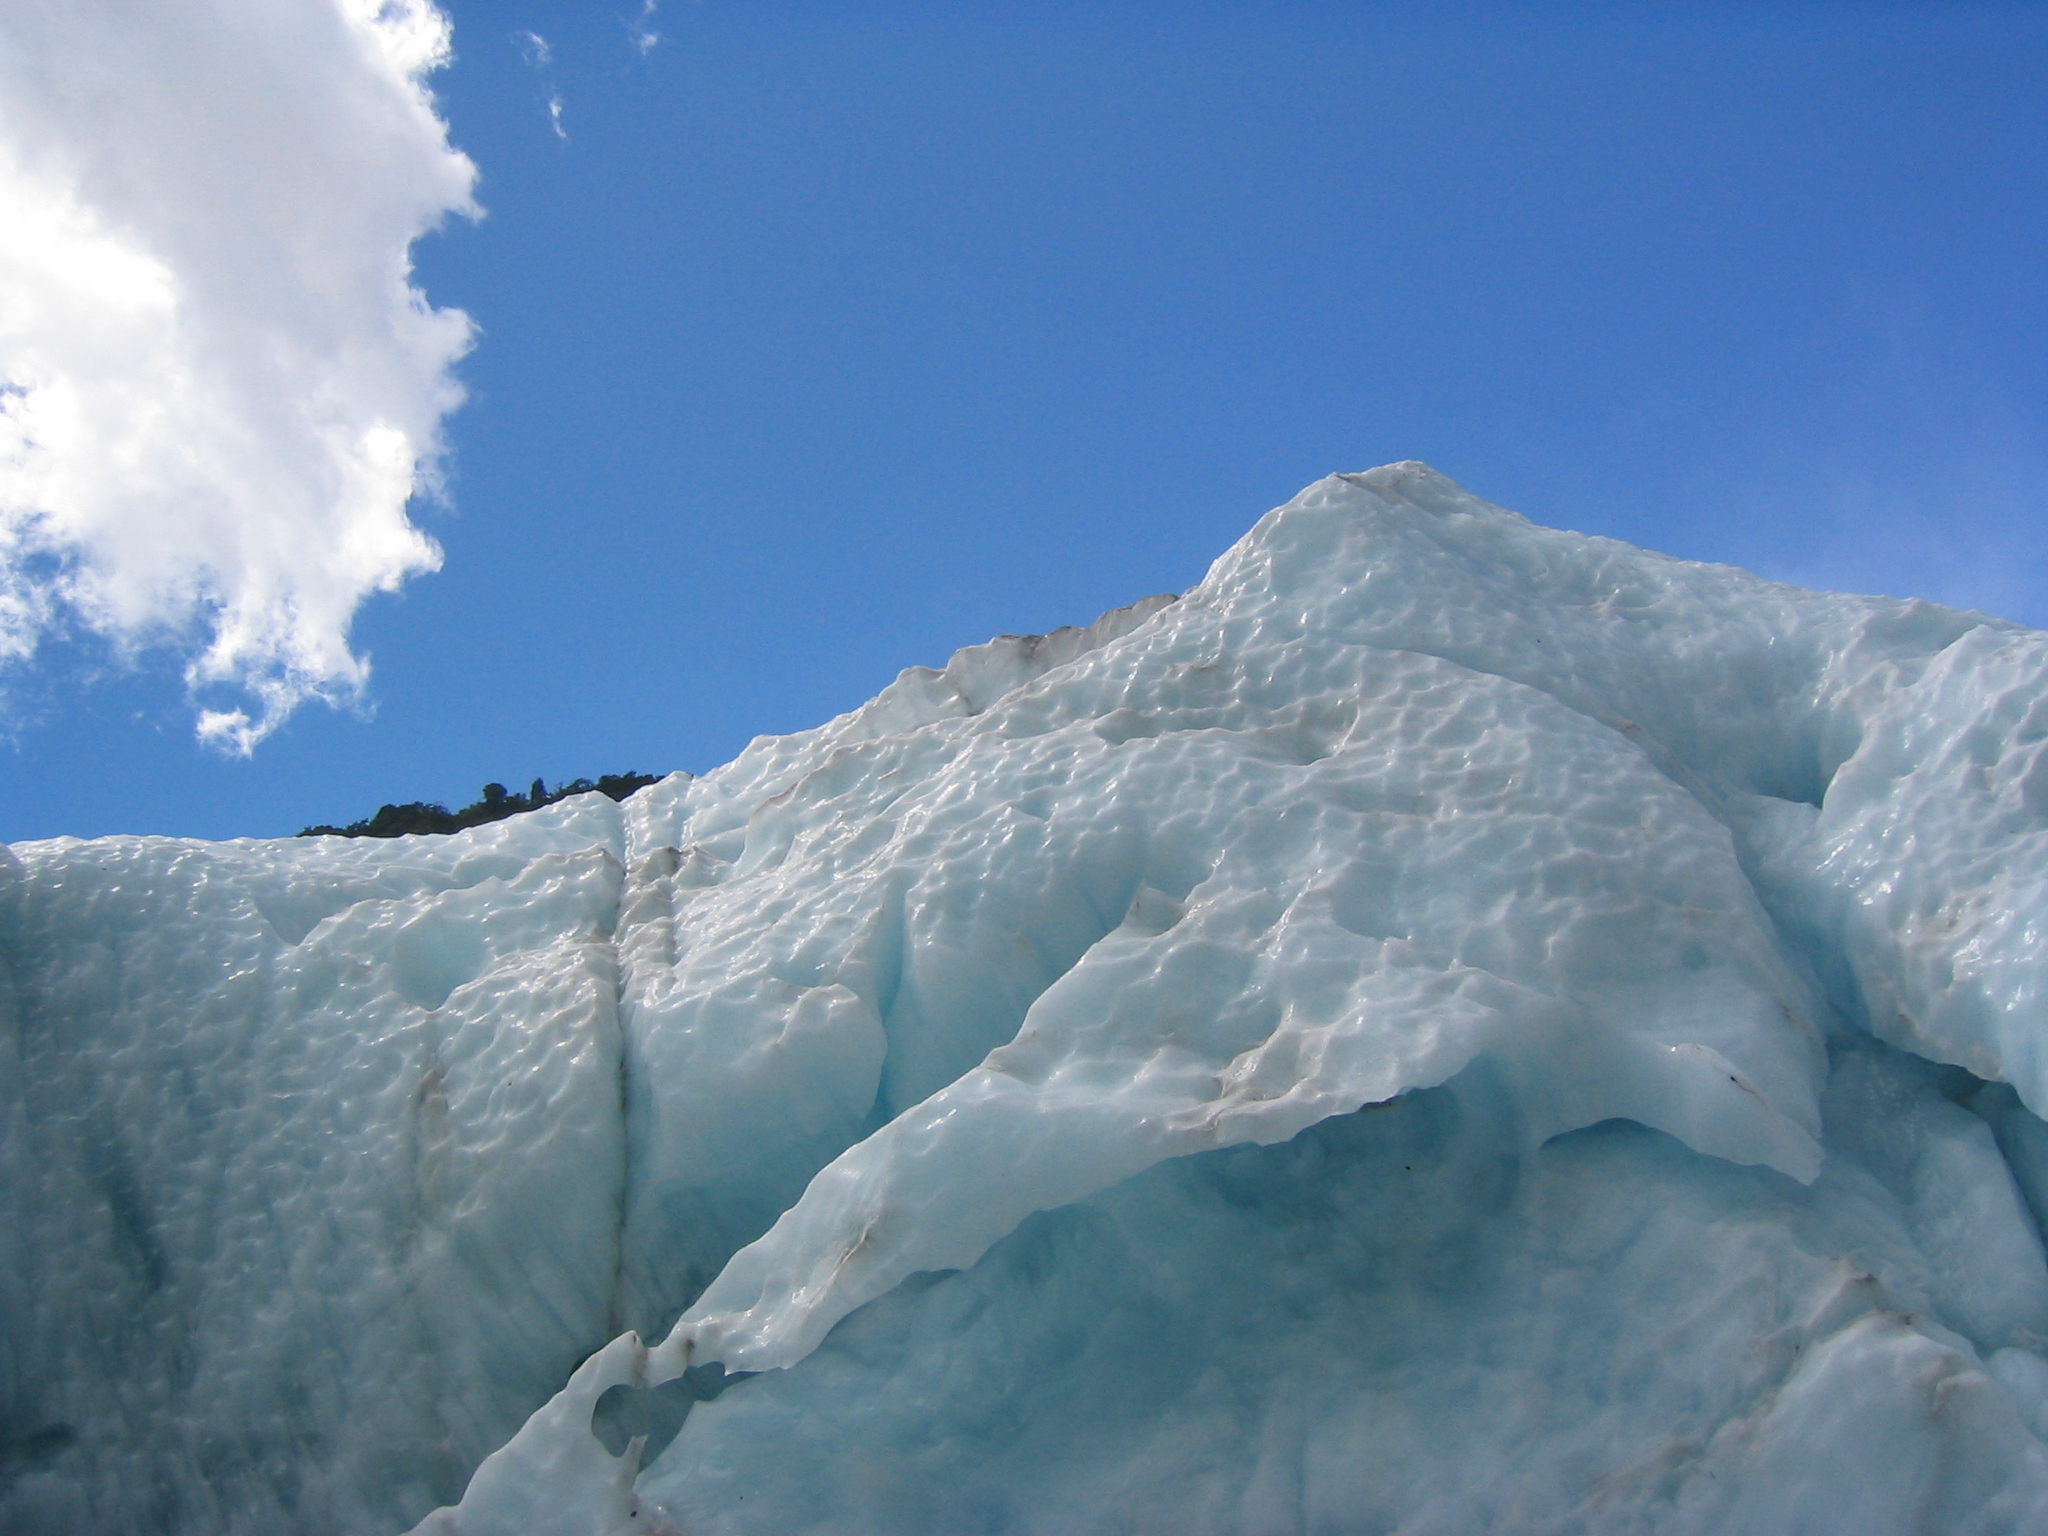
[[1447, 1025]]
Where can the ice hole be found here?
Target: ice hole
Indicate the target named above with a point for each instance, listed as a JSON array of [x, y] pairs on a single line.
[[626, 1413]]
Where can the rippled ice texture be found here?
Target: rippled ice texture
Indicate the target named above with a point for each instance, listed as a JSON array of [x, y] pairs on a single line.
[[1448, 1026]]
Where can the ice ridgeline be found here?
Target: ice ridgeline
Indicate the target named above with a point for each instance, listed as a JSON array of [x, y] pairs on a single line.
[[1449, 1026]]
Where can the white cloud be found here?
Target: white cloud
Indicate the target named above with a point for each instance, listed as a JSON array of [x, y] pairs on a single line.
[[538, 55], [218, 385], [642, 27]]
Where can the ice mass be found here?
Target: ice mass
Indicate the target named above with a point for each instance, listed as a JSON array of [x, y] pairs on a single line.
[[1447, 1026]]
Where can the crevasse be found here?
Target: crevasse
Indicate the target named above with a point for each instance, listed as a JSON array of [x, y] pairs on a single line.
[[1448, 1025]]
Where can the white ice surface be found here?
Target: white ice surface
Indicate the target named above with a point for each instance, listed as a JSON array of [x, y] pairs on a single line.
[[1449, 1025]]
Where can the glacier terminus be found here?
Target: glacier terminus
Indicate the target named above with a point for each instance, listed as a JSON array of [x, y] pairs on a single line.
[[1447, 1026]]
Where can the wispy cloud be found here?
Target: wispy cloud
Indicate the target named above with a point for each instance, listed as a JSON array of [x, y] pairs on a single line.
[[1963, 522], [219, 387], [1919, 473], [538, 55], [641, 27]]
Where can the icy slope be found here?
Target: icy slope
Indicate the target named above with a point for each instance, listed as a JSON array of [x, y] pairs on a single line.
[[1449, 1025]]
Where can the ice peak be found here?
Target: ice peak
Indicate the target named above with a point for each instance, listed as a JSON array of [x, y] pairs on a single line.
[[985, 1068]]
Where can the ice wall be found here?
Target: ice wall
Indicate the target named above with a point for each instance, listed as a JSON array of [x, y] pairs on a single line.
[[1447, 1026]]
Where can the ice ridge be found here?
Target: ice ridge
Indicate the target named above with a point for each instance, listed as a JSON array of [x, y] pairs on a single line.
[[1447, 1025]]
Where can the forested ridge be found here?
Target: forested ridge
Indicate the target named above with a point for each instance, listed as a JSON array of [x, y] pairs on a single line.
[[496, 804]]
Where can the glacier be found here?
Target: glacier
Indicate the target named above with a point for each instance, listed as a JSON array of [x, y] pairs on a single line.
[[1446, 1026]]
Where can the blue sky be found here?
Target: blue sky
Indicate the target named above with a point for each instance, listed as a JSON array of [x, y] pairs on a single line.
[[815, 341]]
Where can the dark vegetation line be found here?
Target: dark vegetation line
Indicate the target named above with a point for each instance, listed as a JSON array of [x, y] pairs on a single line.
[[496, 805]]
